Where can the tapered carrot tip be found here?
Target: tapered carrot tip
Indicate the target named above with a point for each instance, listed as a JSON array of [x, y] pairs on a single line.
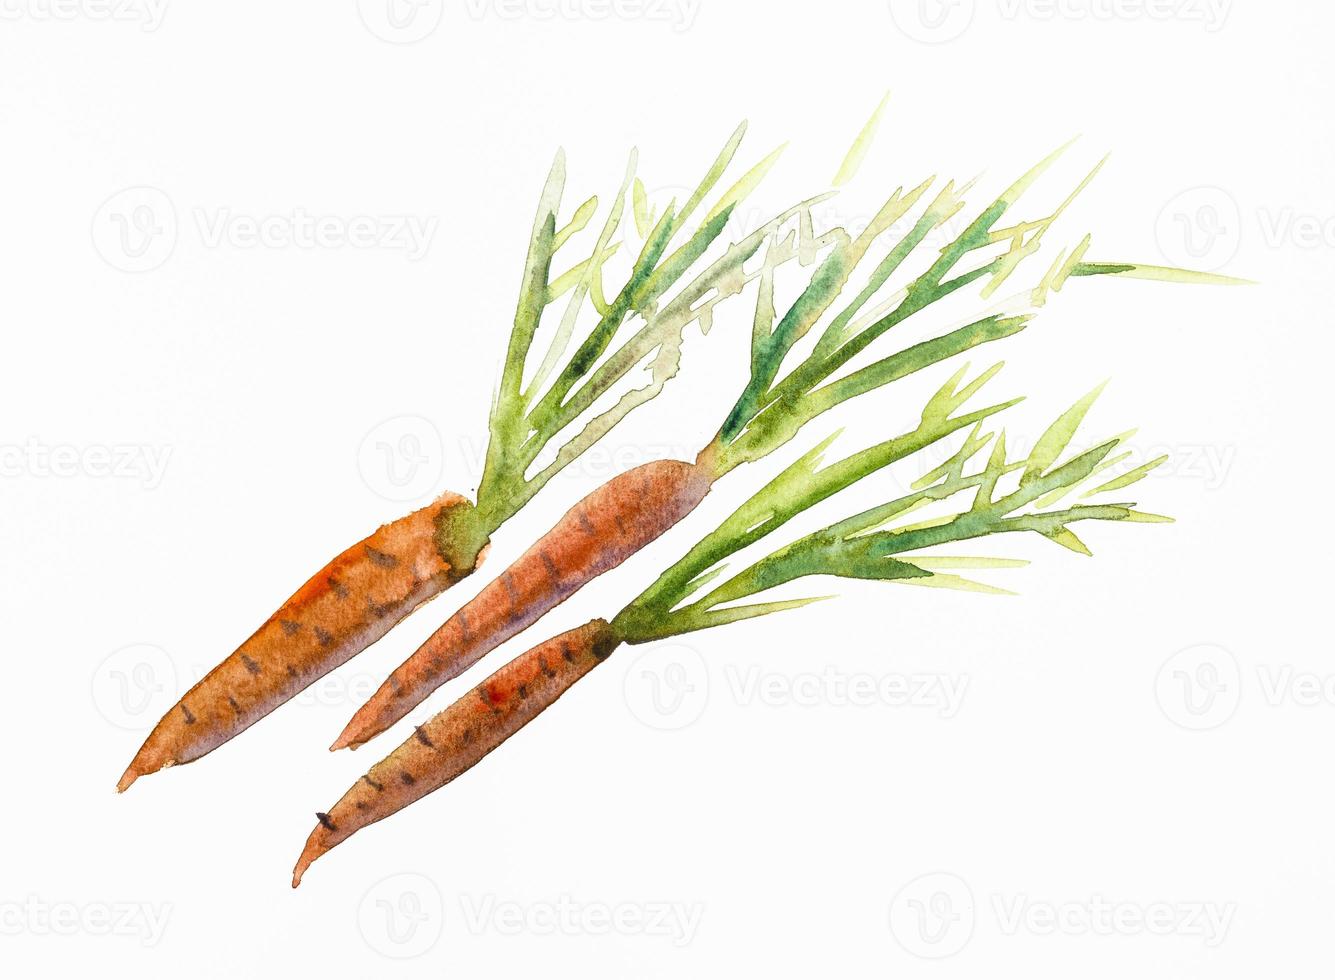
[[345, 741], [316, 845], [143, 764]]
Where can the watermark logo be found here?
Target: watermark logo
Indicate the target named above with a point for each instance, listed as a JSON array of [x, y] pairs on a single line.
[[148, 14], [1283, 684], [407, 233], [1200, 228], [835, 688], [1098, 916], [677, 922], [667, 686], [1199, 688], [400, 21], [932, 917], [134, 686], [402, 458], [402, 916], [135, 229], [933, 21], [144, 463], [939, 21], [1287, 227], [678, 14], [35, 916], [1211, 14], [1208, 464]]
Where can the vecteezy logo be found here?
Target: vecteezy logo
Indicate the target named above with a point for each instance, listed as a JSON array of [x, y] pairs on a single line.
[[1199, 688], [1200, 229], [932, 917], [134, 686], [667, 686], [135, 229], [933, 21], [402, 916], [400, 21], [402, 458]]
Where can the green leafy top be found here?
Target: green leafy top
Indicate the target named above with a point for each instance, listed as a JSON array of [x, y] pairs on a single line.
[[555, 398], [770, 410], [874, 544], [563, 385]]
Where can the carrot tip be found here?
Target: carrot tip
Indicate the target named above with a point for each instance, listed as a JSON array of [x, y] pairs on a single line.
[[128, 779], [344, 741], [313, 849]]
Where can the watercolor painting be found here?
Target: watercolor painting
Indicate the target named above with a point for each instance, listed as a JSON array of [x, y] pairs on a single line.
[[843, 307], [665, 488]]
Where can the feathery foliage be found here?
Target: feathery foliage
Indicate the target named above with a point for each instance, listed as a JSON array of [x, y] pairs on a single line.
[[875, 544]]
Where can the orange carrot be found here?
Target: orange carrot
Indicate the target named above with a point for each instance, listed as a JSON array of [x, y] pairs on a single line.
[[344, 608], [459, 737], [596, 535]]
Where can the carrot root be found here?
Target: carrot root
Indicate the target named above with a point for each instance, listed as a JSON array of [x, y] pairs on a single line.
[[459, 737], [596, 535], [344, 608]]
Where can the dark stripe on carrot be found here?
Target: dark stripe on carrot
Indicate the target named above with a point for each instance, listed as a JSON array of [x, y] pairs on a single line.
[[380, 558], [250, 664], [189, 718], [423, 737]]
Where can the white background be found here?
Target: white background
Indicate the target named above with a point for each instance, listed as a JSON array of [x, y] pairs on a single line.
[[760, 832]]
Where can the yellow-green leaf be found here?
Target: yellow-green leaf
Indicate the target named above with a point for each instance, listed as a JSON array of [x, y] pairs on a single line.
[[858, 151], [1057, 437], [1128, 478], [577, 223]]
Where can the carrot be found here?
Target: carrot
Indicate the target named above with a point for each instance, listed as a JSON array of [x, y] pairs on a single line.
[[875, 544], [540, 403], [344, 608], [596, 535], [771, 409], [457, 739]]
